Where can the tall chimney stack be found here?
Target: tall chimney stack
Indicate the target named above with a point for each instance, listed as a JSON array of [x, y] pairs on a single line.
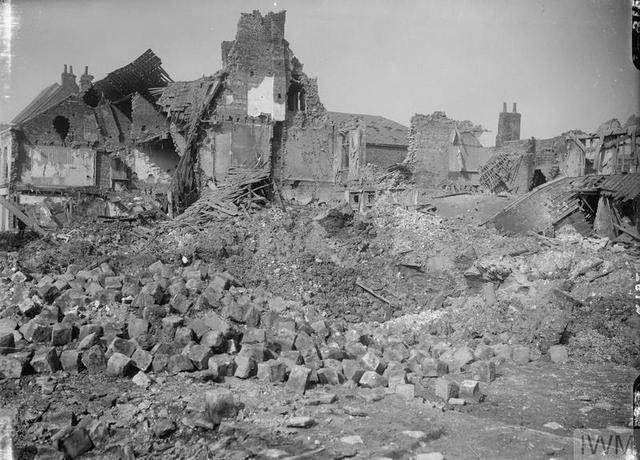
[[514, 108], [85, 80], [504, 106], [69, 80]]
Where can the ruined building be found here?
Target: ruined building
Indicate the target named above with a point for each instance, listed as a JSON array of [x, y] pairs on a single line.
[[508, 126], [443, 150], [136, 132], [83, 138]]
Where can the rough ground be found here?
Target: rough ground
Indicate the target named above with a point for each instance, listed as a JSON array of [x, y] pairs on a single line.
[[441, 287]]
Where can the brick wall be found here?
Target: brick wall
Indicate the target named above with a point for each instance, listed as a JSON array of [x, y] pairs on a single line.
[[428, 153], [383, 156]]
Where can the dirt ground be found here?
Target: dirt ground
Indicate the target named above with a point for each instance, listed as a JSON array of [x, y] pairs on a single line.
[[391, 276]]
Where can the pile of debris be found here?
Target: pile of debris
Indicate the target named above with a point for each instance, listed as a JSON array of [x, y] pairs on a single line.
[[243, 189]]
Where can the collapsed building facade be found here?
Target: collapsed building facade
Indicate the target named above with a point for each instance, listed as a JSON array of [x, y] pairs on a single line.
[[73, 145], [138, 131], [136, 140]]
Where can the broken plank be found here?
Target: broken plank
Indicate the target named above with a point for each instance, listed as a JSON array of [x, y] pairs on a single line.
[[22, 216], [629, 232], [370, 291]]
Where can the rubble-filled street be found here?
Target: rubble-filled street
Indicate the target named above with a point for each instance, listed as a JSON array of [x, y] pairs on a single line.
[[199, 260], [316, 332]]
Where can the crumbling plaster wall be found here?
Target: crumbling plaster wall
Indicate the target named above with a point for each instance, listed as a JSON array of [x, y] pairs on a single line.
[[147, 121], [46, 165], [152, 165]]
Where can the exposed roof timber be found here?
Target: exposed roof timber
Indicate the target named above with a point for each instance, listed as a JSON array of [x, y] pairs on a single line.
[[139, 76]]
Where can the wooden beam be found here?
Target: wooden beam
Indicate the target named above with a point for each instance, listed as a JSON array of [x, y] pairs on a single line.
[[31, 223]]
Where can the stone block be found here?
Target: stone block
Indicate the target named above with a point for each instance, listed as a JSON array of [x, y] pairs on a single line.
[[137, 327], [298, 379], [446, 389], [372, 362], [71, 361], [484, 371], [329, 376], [122, 346], [12, 366], [245, 367], [520, 354], [200, 355], [179, 363], [220, 404], [406, 390], [45, 361], [432, 367], [142, 359], [7, 343], [61, 334], [352, 370], [272, 371], [470, 391], [558, 354], [371, 379], [120, 365], [94, 360]]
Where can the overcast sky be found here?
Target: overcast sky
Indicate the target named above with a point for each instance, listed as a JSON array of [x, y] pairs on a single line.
[[567, 63]]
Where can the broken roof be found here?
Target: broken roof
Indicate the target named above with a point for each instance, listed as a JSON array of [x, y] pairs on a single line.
[[380, 130], [47, 98], [549, 203], [143, 73], [180, 99]]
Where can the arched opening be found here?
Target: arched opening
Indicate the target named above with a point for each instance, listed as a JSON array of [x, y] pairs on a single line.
[[537, 179], [61, 125]]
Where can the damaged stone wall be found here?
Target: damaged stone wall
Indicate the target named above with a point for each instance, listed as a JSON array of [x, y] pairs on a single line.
[[152, 165], [46, 165], [429, 141], [7, 153]]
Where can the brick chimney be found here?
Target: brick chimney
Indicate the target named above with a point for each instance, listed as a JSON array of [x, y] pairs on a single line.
[[69, 80], [85, 80]]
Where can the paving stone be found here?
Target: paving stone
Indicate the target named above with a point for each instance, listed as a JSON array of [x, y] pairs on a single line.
[[283, 340], [329, 376], [226, 364], [484, 371], [432, 367], [142, 359], [179, 363], [45, 360], [302, 421], [87, 329], [352, 440], [272, 371], [184, 335], [61, 334], [484, 352], [164, 427], [200, 355], [213, 339], [520, 354], [352, 370], [254, 336], [355, 350], [502, 350], [88, 341], [36, 331], [120, 365], [160, 362], [7, 343], [457, 401], [257, 352], [429, 456], [70, 361], [142, 380], [252, 316], [470, 391], [372, 362], [245, 367], [94, 360], [13, 365], [406, 390], [154, 290], [18, 278], [137, 327], [371, 379], [123, 346], [558, 354], [331, 350], [298, 379], [446, 389], [395, 378], [220, 404], [76, 444]]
